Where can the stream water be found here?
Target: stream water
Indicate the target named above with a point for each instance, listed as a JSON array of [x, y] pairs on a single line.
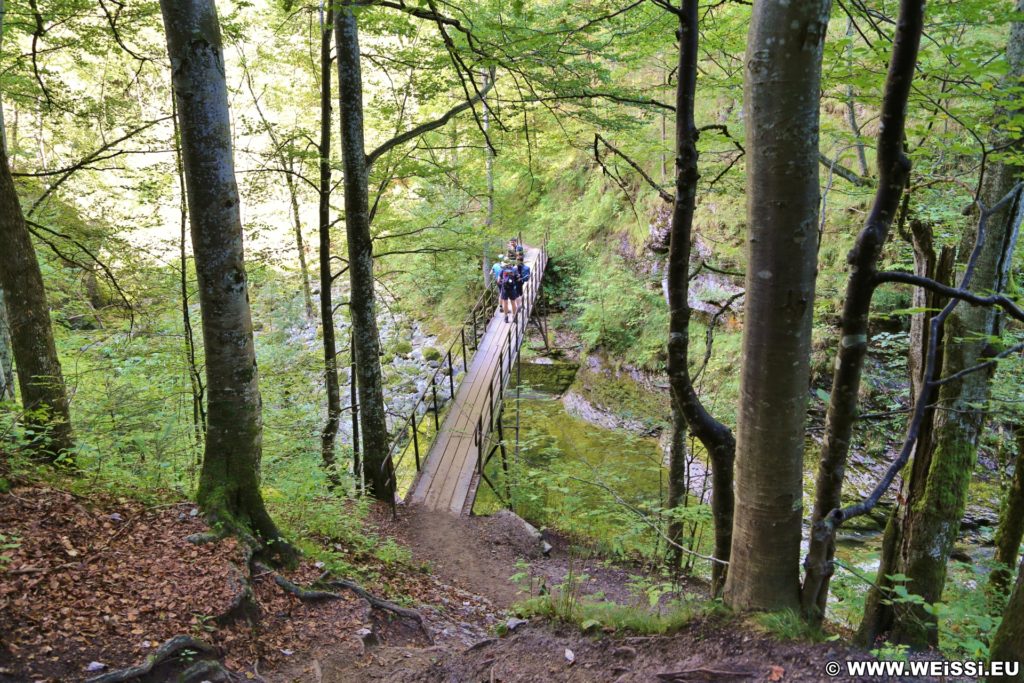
[[570, 474]]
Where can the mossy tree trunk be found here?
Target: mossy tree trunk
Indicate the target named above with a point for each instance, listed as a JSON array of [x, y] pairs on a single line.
[[879, 614], [229, 484], [688, 412], [43, 394], [380, 479], [781, 94]]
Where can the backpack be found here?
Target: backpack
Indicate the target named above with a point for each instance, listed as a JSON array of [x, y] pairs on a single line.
[[508, 279]]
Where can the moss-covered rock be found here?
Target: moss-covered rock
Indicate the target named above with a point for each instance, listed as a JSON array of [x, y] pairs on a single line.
[[403, 348], [431, 353]]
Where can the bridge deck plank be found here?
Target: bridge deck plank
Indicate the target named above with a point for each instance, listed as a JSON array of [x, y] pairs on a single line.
[[448, 473]]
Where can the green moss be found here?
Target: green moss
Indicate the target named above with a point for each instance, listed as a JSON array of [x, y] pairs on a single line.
[[403, 348], [619, 393], [430, 353]]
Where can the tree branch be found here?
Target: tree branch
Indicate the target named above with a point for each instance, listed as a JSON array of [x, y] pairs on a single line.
[[428, 126], [842, 171], [662, 192]]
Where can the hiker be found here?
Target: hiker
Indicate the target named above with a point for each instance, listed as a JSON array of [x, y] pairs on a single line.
[[523, 271], [508, 289], [515, 250], [499, 263]]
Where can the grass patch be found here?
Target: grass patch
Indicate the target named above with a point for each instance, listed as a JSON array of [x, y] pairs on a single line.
[[788, 625], [609, 617]]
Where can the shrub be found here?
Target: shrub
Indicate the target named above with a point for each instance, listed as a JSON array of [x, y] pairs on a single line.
[[403, 348], [430, 353]]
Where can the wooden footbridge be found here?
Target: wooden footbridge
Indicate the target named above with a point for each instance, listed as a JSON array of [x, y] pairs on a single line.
[[460, 449]]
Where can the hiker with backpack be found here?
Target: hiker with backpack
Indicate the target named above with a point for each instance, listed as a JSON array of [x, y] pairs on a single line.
[[523, 272], [509, 289]]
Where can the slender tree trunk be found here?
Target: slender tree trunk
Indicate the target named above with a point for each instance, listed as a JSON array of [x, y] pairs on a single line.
[[687, 409], [229, 484], [1011, 525], [330, 431], [677, 483], [6, 355], [39, 375], [3, 126], [300, 243], [353, 392], [195, 379], [781, 92], [376, 463], [893, 171], [851, 105]]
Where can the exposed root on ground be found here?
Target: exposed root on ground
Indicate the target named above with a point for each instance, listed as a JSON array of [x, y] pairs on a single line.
[[179, 649], [317, 594]]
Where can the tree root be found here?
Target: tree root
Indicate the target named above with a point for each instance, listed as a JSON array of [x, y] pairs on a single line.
[[381, 604], [317, 594], [306, 594], [243, 606], [163, 654]]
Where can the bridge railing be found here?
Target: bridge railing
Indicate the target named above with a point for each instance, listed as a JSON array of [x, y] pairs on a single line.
[[466, 340]]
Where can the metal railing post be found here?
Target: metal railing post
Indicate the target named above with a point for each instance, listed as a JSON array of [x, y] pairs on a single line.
[[462, 334], [451, 374], [415, 439], [433, 388]]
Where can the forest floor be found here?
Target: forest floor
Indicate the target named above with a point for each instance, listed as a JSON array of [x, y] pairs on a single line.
[[91, 586]]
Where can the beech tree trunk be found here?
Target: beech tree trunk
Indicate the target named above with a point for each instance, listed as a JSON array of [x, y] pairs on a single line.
[[362, 302], [781, 92], [893, 171], [687, 409], [329, 435], [229, 490], [39, 375]]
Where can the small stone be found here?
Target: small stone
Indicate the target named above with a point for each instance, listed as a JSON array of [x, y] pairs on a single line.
[[318, 565], [570, 656], [115, 517], [514, 623], [96, 666], [287, 653], [193, 512]]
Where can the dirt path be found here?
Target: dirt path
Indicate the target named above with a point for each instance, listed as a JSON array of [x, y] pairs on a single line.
[[480, 554]]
